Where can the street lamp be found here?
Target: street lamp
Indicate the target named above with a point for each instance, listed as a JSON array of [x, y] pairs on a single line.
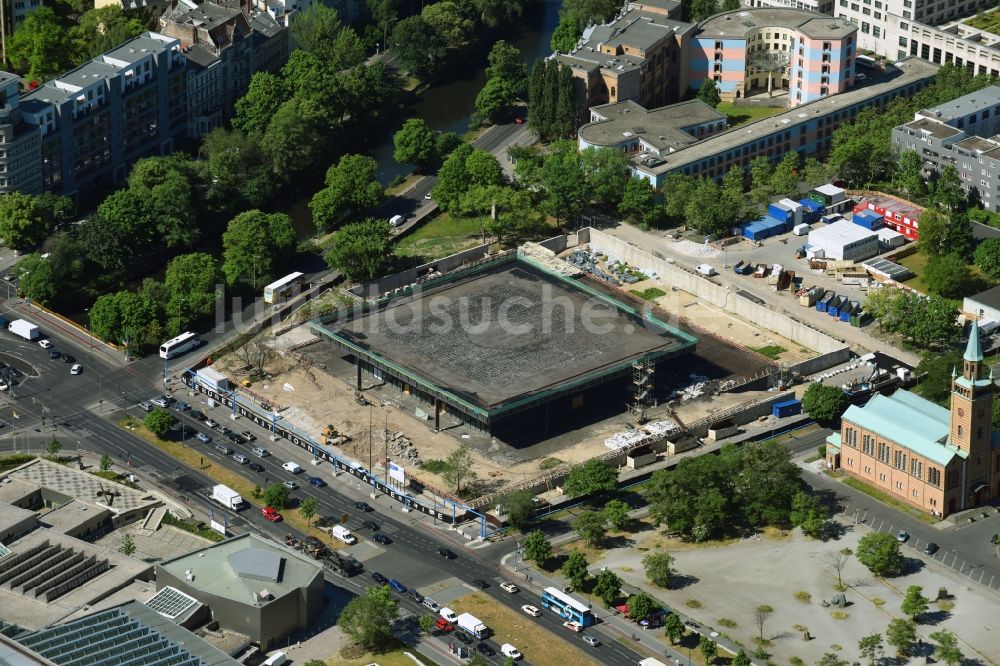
[[385, 27]]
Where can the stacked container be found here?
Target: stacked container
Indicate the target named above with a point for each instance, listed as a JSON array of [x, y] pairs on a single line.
[[869, 220]]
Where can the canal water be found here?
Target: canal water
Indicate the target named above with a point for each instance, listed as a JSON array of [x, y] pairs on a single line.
[[448, 105]]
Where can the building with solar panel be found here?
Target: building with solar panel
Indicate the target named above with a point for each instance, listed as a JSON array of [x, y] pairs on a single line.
[[127, 634], [251, 586]]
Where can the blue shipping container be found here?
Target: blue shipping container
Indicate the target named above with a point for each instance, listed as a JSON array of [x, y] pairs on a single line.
[[833, 308], [754, 231], [774, 226], [779, 212], [822, 303], [869, 220], [848, 310], [811, 210], [786, 408]]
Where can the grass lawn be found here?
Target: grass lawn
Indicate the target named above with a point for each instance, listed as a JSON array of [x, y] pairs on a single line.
[[916, 263], [407, 182], [440, 237], [193, 456], [650, 294], [741, 115], [510, 626], [986, 21], [770, 351], [887, 499]]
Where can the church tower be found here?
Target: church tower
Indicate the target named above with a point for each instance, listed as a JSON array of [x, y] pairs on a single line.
[[972, 417]]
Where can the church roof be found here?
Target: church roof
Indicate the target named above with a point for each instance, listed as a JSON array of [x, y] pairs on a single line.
[[973, 350], [909, 420]]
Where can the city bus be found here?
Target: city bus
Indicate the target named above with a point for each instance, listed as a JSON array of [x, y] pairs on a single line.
[[566, 606], [278, 291], [184, 342]]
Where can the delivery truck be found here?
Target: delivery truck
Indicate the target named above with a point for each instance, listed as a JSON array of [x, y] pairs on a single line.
[[24, 329], [473, 625], [343, 534], [227, 497]]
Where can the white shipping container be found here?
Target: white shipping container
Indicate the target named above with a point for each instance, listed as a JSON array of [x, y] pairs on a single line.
[[800, 229]]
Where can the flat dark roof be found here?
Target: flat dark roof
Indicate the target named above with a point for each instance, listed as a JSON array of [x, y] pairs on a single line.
[[526, 332]]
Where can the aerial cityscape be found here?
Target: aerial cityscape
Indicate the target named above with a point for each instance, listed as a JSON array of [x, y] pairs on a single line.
[[545, 332]]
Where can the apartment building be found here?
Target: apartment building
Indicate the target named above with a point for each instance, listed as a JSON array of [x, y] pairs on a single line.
[[873, 17], [962, 133], [937, 460], [640, 55], [821, 6], [814, 54], [806, 129], [628, 127], [223, 46], [97, 120], [20, 143]]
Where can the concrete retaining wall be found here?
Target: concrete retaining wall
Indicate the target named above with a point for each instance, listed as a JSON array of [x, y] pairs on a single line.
[[713, 293], [408, 277], [822, 362]]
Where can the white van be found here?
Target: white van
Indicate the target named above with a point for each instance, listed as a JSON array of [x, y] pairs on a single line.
[[509, 650], [276, 659], [294, 468], [343, 534], [706, 269], [396, 221]]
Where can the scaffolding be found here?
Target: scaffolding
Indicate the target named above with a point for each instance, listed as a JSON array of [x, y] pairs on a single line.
[[643, 383]]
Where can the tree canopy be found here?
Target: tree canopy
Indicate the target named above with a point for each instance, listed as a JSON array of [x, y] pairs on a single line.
[[824, 403], [591, 477], [361, 249], [368, 618], [880, 552], [255, 245]]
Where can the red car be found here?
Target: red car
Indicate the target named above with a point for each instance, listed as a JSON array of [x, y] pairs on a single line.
[[444, 625], [270, 514], [519, 120]]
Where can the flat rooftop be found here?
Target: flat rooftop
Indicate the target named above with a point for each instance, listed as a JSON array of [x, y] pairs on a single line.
[[935, 128], [902, 74], [985, 98], [662, 128], [503, 332], [741, 22]]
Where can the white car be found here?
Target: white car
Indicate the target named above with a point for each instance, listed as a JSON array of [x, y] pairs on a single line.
[[315, 462], [573, 626], [510, 588], [531, 610], [448, 614], [45, 344], [4, 385], [76, 369], [509, 650], [291, 467]]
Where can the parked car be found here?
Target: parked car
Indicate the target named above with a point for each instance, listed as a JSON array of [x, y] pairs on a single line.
[[531, 610], [903, 536], [271, 514], [509, 588], [930, 548], [146, 406], [256, 467], [76, 369], [163, 401], [362, 506], [465, 637], [316, 482], [447, 553], [249, 436], [197, 416], [397, 586], [370, 525], [590, 640], [483, 648], [211, 423], [379, 578], [68, 358], [509, 650], [416, 596], [448, 614], [443, 625], [202, 437], [182, 407], [430, 603], [291, 485]]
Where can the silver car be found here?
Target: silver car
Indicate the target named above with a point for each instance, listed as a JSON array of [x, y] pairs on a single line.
[[433, 605], [590, 640]]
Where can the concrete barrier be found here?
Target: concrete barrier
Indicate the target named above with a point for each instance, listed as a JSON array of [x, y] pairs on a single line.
[[408, 277]]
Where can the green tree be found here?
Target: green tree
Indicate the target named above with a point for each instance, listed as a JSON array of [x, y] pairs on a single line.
[[947, 649], [880, 553], [37, 280], [127, 546], [785, 180], [23, 222], [418, 47], [831, 659], [937, 368], [53, 448], [870, 647], [575, 569], [537, 548], [238, 170], [712, 211], [702, 9], [519, 507], [505, 63], [368, 618], [659, 568], [808, 514], [566, 113], [308, 508], [815, 173], [190, 281], [638, 203], [414, 144], [741, 658], [292, 140], [709, 649], [494, 100], [728, 6], [607, 587], [616, 513], [564, 182], [761, 180], [276, 496], [640, 606], [607, 171], [674, 628], [901, 635], [264, 96], [537, 120], [592, 526], [159, 421], [484, 169], [947, 193], [960, 238], [909, 175], [458, 469], [987, 257], [123, 318], [708, 93], [254, 245], [453, 179], [426, 624], [933, 232], [40, 48], [592, 476], [915, 603], [451, 24], [949, 276], [316, 27], [493, 13], [106, 463], [102, 29], [824, 403], [351, 185]]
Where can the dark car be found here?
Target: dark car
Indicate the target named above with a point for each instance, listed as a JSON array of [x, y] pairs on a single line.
[[234, 438], [464, 637], [483, 648], [182, 406], [447, 553], [53, 354], [316, 481], [363, 506], [416, 596], [370, 525], [930, 548], [226, 432], [257, 467], [480, 583], [197, 416], [69, 358], [382, 539], [379, 578]]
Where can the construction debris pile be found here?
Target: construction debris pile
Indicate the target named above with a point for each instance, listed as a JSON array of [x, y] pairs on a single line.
[[699, 386], [615, 271], [696, 249], [402, 450], [650, 432], [548, 258]]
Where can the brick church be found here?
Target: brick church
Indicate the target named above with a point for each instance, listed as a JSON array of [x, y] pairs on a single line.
[[937, 460]]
